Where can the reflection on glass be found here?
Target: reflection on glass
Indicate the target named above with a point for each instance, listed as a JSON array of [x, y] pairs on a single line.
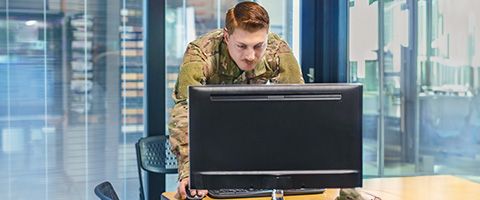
[[364, 69], [446, 92], [449, 90], [397, 152], [71, 90]]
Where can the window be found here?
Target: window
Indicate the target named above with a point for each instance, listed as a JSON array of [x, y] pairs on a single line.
[[71, 90], [421, 89]]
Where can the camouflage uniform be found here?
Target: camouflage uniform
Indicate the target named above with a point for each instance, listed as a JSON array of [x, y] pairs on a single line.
[[207, 61]]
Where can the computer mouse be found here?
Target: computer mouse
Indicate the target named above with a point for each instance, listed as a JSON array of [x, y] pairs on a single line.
[[189, 196]]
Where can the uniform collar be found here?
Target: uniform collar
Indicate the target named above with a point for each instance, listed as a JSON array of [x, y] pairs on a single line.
[[228, 67]]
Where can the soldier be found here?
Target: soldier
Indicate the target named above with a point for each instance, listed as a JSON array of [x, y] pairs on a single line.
[[244, 52]]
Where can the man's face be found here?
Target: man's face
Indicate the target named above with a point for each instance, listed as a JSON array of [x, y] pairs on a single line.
[[246, 48]]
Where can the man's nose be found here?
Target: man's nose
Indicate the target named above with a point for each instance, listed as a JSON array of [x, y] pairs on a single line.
[[250, 55]]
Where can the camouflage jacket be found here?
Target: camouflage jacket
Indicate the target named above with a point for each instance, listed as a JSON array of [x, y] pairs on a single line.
[[207, 61]]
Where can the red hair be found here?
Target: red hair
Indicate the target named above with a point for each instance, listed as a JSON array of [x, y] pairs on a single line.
[[249, 16]]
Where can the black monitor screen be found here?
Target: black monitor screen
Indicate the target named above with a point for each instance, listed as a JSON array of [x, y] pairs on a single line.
[[275, 136]]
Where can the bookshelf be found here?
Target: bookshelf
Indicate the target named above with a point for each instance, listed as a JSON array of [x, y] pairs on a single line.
[[81, 66]]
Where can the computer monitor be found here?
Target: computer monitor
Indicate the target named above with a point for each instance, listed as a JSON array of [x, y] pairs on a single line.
[[275, 136]]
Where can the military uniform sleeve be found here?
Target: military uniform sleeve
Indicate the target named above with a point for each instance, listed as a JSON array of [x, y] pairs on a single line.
[[289, 70], [191, 73]]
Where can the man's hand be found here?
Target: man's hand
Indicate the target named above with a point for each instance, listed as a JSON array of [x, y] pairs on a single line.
[[181, 192]]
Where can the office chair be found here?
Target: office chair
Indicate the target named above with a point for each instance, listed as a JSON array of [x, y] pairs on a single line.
[[105, 191], [154, 155]]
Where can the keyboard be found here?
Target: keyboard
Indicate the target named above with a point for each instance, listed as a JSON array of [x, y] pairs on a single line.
[[243, 193]]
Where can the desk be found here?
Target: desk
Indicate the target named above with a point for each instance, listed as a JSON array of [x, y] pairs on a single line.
[[327, 195], [401, 188], [422, 187]]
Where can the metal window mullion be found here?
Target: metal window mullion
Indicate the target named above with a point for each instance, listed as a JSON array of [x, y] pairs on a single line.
[[9, 110], [381, 66], [219, 14], [296, 31], [184, 22], [124, 96], [45, 76], [429, 39], [413, 107], [85, 62], [286, 25], [343, 32], [155, 69]]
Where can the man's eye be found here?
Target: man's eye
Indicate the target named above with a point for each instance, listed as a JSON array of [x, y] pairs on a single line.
[[258, 46], [241, 46]]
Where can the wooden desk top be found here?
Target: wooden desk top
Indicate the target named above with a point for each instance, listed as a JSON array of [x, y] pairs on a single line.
[[401, 188], [422, 187]]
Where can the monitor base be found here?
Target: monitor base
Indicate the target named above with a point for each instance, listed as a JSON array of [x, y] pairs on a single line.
[[277, 194]]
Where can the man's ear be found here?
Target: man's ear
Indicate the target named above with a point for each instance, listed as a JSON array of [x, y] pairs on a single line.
[[225, 35]]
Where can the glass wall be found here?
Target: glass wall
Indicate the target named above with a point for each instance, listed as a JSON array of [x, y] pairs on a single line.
[[449, 87], [419, 63], [188, 19], [71, 90], [363, 44]]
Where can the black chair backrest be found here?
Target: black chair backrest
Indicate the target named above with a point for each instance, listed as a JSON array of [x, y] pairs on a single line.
[[154, 155], [105, 191]]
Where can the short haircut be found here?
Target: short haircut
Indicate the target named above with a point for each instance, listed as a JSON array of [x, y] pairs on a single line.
[[249, 16]]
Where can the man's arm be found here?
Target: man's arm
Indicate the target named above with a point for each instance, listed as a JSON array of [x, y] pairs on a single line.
[[191, 73], [178, 128]]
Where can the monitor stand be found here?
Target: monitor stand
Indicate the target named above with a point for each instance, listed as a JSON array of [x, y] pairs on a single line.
[[277, 194]]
